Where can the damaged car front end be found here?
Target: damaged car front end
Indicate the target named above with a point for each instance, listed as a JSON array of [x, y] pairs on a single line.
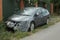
[[21, 26]]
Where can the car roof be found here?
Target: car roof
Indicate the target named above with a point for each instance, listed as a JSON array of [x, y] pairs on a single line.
[[32, 8]]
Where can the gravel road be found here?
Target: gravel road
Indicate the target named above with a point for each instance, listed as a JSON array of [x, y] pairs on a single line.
[[50, 33]]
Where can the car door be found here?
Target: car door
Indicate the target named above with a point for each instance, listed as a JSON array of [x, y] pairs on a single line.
[[37, 17], [44, 18]]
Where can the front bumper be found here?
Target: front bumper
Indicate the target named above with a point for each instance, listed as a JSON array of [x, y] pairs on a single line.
[[22, 27]]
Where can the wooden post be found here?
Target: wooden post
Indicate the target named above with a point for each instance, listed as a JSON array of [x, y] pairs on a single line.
[[45, 6], [36, 4], [0, 10], [21, 4], [51, 7]]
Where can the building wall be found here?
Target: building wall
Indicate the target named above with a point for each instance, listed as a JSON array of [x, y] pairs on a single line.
[[8, 8], [0, 10]]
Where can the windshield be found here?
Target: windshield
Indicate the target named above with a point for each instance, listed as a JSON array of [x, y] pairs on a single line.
[[26, 12]]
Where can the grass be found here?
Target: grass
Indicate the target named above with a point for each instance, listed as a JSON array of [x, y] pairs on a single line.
[[5, 35]]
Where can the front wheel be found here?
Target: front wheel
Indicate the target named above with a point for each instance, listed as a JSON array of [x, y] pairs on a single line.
[[31, 27]]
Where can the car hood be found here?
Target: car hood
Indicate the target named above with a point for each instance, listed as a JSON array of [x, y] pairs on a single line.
[[20, 18]]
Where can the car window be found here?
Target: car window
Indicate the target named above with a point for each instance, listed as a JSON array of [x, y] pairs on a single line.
[[44, 12], [26, 12]]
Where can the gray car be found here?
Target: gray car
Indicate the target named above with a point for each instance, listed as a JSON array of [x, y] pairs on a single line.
[[28, 19]]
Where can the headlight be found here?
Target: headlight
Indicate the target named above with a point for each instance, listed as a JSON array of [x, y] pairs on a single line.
[[10, 24]]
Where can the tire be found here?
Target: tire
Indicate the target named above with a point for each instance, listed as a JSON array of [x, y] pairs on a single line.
[[32, 26], [47, 21]]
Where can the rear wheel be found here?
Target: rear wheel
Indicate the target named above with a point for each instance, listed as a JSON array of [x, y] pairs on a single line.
[[47, 21]]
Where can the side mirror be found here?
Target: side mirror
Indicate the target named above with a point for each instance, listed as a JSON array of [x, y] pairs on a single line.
[[37, 14]]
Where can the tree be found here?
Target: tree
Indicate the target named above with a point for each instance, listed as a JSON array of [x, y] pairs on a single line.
[[57, 6], [51, 6]]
